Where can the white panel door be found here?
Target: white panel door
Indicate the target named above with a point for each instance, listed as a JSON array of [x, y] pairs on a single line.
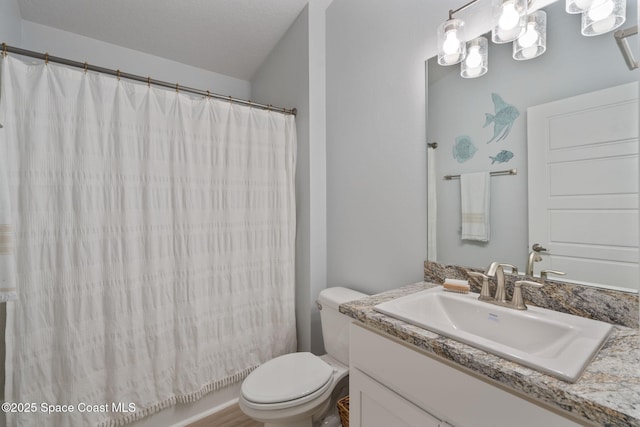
[[583, 185]]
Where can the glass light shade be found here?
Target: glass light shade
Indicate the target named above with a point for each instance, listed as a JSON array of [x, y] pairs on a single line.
[[533, 42], [578, 6], [451, 43], [603, 16], [477, 59], [509, 19]]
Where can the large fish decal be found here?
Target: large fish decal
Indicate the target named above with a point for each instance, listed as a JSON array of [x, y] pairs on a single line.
[[503, 119]]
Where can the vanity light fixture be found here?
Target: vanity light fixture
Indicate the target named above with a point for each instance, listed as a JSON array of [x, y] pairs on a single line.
[[510, 22], [533, 42], [476, 61], [528, 32]]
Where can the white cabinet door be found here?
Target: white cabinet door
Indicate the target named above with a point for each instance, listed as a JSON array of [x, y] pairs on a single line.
[[374, 405], [416, 385]]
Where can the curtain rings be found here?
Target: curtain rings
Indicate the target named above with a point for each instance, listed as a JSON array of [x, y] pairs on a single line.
[[149, 81], [118, 74], [86, 67], [177, 87], [4, 49], [46, 58]]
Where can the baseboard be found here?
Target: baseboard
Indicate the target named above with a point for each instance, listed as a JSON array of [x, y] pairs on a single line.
[[184, 414], [205, 414]]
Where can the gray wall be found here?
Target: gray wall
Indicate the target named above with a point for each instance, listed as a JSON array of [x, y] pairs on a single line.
[[41, 38], [573, 64], [376, 152], [10, 22]]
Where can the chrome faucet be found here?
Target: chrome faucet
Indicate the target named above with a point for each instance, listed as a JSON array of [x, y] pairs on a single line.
[[495, 269]]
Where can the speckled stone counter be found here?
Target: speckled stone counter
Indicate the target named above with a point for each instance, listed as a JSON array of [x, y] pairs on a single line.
[[607, 393], [619, 308]]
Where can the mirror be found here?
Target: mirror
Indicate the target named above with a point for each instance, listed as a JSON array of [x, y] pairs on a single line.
[[462, 120]]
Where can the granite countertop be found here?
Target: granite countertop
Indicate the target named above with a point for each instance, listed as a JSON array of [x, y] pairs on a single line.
[[607, 393]]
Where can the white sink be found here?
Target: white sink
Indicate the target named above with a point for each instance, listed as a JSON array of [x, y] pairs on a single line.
[[555, 343]]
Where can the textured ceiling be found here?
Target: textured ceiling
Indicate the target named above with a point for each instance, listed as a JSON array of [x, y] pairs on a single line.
[[231, 37]]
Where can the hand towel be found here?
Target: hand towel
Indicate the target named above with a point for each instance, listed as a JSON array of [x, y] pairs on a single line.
[[474, 194]]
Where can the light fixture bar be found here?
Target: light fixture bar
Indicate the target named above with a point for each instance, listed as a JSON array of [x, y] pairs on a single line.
[[461, 8], [623, 44]]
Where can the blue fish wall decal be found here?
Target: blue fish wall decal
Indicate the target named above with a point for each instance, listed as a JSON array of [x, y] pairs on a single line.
[[502, 157], [463, 149], [503, 119]]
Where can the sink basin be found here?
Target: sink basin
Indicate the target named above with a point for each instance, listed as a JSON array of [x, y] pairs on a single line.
[[558, 344]]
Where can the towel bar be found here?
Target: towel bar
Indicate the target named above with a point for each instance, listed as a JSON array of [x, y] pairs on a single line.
[[504, 172]]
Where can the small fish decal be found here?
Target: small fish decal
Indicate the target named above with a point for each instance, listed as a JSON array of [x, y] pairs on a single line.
[[463, 149], [503, 119], [502, 157]]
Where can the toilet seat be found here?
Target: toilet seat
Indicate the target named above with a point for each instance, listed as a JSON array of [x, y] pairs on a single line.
[[286, 381]]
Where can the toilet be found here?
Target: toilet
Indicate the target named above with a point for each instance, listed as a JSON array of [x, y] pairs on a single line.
[[297, 389]]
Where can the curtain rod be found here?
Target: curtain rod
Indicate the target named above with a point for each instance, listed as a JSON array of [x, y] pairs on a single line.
[[88, 67]]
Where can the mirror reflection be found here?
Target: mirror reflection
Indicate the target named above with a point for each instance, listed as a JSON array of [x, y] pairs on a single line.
[[482, 125]]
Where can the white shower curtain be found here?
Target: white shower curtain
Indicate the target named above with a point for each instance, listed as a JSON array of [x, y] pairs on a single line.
[[154, 244]]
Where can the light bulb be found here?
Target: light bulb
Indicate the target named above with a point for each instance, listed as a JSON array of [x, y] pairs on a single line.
[[474, 72], [510, 17], [451, 43], [604, 25], [529, 52], [601, 11], [530, 37], [474, 59]]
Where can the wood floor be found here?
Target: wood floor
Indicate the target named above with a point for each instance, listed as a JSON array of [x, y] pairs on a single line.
[[229, 417]]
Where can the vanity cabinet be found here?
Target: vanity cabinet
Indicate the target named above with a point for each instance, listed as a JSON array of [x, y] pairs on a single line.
[[393, 384]]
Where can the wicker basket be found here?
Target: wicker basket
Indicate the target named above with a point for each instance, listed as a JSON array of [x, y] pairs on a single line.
[[343, 410]]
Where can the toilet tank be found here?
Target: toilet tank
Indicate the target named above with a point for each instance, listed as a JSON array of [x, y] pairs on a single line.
[[335, 325]]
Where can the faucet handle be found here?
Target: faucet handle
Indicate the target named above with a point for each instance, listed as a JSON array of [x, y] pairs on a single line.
[[484, 292], [545, 273], [518, 301], [537, 247]]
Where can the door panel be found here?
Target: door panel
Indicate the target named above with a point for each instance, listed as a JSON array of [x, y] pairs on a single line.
[[583, 185]]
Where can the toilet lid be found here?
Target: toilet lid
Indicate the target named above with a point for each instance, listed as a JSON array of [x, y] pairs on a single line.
[[286, 378]]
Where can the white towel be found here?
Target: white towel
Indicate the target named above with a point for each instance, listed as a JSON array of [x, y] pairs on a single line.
[[474, 194], [432, 206]]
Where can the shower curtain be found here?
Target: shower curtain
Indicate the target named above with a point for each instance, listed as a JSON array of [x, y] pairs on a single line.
[[154, 244]]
